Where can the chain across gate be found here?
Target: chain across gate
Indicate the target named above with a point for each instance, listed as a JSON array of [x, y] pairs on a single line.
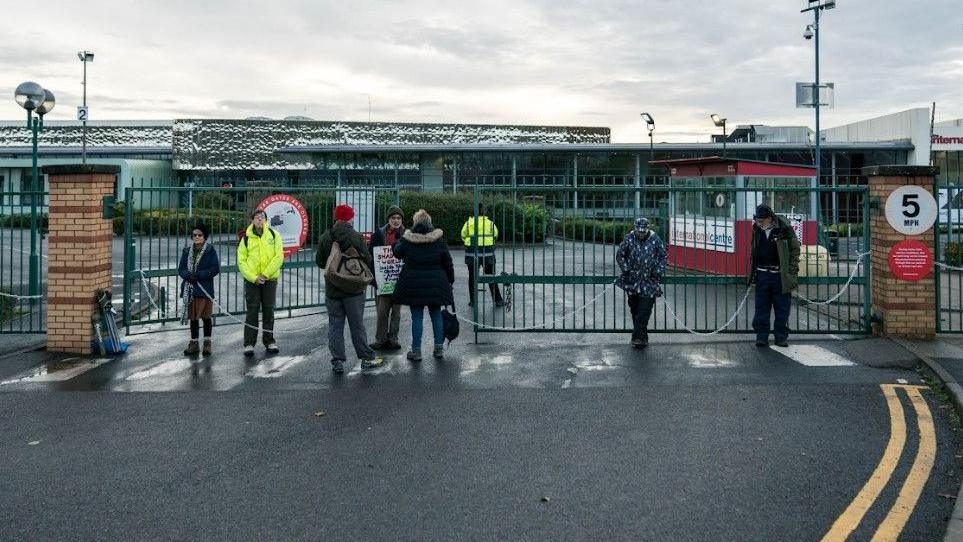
[[556, 258]]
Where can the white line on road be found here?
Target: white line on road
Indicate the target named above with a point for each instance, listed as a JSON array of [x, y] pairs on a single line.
[[814, 356]]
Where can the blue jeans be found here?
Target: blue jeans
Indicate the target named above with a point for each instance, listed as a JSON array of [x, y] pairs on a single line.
[[769, 298], [417, 328]]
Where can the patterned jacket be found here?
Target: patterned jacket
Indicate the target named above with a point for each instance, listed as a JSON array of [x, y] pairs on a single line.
[[642, 264]]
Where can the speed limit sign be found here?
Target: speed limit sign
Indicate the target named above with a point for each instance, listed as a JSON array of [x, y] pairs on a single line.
[[911, 210]]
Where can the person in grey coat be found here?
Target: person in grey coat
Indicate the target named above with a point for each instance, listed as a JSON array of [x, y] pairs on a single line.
[[343, 305]]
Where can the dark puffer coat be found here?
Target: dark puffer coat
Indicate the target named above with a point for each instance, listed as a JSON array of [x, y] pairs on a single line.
[[428, 273]]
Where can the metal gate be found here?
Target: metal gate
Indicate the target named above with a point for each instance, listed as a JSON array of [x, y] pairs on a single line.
[[557, 261], [157, 225], [22, 279], [948, 253]]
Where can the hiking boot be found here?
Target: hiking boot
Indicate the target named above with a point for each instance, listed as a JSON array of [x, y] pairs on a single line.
[[637, 343], [272, 348], [762, 343], [248, 350], [206, 351], [782, 343], [192, 348], [438, 352], [372, 363], [337, 366], [413, 356], [379, 345], [393, 346]]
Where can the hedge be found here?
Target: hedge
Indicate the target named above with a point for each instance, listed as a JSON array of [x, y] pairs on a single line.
[[599, 231], [953, 254], [8, 305], [177, 222], [22, 220]]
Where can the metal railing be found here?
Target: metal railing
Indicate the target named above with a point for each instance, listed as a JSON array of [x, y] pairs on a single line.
[[559, 266], [948, 254], [20, 310]]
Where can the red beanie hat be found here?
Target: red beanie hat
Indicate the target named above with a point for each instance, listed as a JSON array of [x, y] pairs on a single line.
[[343, 213]]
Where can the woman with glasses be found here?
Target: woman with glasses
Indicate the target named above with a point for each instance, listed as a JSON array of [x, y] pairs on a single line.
[[198, 267]]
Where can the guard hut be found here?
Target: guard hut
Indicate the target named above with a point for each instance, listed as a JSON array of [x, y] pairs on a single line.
[[711, 203]]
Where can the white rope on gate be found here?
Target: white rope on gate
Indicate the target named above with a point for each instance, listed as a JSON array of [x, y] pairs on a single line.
[[245, 324], [20, 297], [694, 332], [852, 277], [542, 325], [948, 266], [147, 285]]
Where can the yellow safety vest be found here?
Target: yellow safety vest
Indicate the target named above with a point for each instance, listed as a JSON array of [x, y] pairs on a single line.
[[483, 236]]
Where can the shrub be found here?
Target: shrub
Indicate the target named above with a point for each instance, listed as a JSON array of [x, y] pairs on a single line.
[[214, 200], [8, 305], [953, 254], [22, 220], [177, 222], [600, 231]]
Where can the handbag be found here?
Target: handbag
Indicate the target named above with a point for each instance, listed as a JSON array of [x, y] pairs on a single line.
[[449, 323]]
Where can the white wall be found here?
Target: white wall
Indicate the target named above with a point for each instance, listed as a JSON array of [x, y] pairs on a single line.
[[912, 124]]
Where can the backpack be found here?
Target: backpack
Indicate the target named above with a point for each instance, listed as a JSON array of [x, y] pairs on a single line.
[[449, 323], [244, 233], [347, 270]]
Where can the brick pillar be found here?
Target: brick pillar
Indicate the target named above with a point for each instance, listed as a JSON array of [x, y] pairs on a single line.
[[79, 252], [907, 308]]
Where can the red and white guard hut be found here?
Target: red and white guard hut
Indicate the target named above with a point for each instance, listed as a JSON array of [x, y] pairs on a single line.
[[709, 222]]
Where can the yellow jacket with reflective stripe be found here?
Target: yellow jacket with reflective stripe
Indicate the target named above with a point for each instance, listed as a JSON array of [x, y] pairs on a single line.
[[260, 255], [486, 232]]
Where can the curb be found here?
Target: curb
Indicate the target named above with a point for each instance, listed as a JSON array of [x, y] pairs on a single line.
[[954, 527]]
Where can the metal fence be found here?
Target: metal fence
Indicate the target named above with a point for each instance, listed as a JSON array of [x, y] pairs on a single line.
[[948, 253], [20, 312], [157, 223], [558, 265]]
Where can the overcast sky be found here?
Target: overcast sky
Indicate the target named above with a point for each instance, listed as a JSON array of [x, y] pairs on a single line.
[[554, 62]]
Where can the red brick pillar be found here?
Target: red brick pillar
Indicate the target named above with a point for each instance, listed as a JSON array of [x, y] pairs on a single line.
[[906, 308], [79, 252]]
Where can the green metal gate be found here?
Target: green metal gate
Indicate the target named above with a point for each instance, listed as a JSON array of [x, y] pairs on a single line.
[[558, 263], [157, 225], [948, 252], [23, 307]]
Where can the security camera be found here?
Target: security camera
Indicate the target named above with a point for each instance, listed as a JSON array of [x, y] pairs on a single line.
[[808, 34]]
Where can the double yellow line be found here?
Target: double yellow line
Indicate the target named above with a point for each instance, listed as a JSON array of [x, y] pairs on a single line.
[[909, 494]]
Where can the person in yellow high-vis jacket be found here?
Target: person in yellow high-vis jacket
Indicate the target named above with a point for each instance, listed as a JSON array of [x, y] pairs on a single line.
[[478, 235], [260, 254]]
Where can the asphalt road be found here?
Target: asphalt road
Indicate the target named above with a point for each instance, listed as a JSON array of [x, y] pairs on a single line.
[[522, 438]]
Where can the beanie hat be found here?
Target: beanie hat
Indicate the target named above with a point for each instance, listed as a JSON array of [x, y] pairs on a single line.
[[421, 217], [641, 224], [763, 211], [343, 213], [395, 210]]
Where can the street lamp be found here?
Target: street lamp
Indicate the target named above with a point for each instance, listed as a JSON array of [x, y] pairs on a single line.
[[650, 125], [85, 57], [812, 31], [38, 101], [720, 122]]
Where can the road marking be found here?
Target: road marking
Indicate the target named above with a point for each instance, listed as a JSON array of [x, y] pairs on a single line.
[[813, 356], [847, 522], [43, 374], [909, 495]]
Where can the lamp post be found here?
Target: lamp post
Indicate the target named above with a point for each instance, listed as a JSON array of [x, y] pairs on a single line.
[[812, 31], [718, 121], [38, 101], [85, 57], [650, 125]]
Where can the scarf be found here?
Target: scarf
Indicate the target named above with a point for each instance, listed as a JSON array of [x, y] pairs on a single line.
[[187, 290]]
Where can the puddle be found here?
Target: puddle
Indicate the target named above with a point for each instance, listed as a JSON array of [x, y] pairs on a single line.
[[63, 371]]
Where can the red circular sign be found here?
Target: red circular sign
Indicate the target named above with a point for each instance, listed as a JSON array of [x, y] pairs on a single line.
[[910, 260], [287, 217]]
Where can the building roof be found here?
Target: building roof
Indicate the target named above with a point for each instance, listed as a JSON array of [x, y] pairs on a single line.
[[583, 147]]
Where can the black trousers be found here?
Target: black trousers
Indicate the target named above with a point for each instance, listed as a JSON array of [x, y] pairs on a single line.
[[641, 308], [488, 265]]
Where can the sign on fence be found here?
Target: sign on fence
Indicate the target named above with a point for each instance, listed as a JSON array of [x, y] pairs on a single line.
[[287, 216], [707, 234], [363, 202], [387, 269]]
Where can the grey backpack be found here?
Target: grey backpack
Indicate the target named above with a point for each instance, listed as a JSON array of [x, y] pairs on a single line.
[[347, 270]]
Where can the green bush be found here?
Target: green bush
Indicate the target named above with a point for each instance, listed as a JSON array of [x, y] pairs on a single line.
[[22, 220], [519, 222], [600, 231], [214, 200], [847, 229], [953, 254], [177, 222], [8, 305]]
